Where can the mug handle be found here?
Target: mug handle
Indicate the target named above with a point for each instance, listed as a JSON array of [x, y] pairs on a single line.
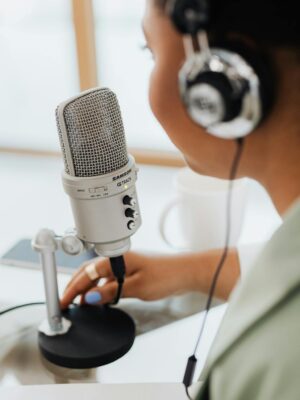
[[162, 224]]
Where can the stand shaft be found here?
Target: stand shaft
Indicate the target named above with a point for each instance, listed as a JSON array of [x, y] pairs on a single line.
[[45, 244], [51, 289]]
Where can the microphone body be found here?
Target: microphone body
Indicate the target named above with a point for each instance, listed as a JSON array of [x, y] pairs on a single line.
[[99, 174], [99, 209]]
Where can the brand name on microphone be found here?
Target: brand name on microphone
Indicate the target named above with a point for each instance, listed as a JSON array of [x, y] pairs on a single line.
[[117, 177]]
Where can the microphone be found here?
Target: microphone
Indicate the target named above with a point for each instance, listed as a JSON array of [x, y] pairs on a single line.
[[99, 174], [99, 178]]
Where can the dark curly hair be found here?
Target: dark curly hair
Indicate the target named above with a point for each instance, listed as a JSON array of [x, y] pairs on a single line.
[[270, 22]]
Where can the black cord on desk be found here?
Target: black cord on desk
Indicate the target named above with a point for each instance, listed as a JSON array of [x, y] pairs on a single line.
[[40, 303]]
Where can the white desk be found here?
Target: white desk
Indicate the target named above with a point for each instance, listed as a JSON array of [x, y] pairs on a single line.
[[96, 392], [157, 356]]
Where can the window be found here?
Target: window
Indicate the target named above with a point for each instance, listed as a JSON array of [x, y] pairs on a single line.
[[39, 69]]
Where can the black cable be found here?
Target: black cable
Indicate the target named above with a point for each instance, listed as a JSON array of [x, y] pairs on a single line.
[[119, 270], [118, 294], [192, 361], [21, 306], [187, 393]]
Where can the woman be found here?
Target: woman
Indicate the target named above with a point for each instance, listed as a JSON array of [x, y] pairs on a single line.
[[262, 325]]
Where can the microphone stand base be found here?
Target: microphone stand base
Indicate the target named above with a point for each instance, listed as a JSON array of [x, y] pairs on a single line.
[[98, 336]]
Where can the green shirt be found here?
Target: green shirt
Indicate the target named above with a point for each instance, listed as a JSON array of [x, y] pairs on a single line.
[[256, 354]]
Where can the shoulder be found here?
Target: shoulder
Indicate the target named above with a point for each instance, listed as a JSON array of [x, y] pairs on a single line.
[[264, 362]]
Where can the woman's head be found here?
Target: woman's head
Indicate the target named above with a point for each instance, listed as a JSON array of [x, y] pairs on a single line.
[[266, 25], [269, 22]]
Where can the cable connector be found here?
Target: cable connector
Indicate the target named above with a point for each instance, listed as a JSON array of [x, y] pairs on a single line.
[[189, 371]]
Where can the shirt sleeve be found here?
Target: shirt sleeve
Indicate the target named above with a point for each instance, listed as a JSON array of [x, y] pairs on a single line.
[[248, 254]]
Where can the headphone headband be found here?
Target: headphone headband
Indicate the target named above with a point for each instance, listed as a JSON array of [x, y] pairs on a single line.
[[190, 16]]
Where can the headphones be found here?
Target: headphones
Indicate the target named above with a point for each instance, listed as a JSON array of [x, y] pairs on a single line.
[[227, 89]]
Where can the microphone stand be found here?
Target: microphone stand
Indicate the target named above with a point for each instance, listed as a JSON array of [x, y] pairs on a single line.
[[82, 336]]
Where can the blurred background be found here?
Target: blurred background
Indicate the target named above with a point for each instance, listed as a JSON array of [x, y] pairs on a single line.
[[53, 49]]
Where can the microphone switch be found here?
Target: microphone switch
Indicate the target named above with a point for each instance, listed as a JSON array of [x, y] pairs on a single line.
[[129, 201], [130, 213], [131, 225]]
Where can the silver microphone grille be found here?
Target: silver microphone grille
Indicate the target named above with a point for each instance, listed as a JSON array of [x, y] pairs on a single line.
[[91, 134]]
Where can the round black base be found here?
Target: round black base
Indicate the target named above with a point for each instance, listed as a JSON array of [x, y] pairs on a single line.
[[98, 336]]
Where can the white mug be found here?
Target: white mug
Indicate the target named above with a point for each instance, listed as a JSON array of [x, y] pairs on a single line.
[[201, 202]]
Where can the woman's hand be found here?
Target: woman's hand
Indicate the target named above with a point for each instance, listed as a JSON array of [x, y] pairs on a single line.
[[155, 277], [147, 278]]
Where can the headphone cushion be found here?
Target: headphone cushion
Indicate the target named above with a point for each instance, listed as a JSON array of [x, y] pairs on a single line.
[[263, 68], [232, 104]]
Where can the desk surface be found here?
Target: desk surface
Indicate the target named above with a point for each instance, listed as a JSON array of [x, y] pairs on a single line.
[[95, 392], [157, 356]]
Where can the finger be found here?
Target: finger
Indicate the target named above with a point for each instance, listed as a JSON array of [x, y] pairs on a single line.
[[81, 301], [74, 290], [82, 283], [107, 293], [103, 268], [101, 282], [82, 268]]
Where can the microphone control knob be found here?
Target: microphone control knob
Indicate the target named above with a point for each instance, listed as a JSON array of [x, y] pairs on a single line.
[[130, 213], [131, 225], [129, 201]]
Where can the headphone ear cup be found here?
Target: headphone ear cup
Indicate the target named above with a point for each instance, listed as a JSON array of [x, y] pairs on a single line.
[[228, 91], [263, 68], [231, 104]]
